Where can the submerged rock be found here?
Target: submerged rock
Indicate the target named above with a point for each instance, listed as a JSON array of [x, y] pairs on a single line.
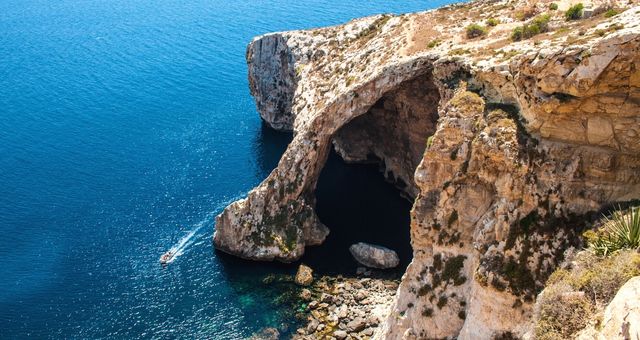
[[305, 295], [304, 276], [266, 334], [374, 256]]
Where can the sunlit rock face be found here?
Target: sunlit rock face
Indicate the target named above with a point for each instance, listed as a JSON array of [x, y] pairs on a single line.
[[505, 148]]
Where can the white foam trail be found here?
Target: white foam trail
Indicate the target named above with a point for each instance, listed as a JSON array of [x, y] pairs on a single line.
[[186, 241], [179, 248]]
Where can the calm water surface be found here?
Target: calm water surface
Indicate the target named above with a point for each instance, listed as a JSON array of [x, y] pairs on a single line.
[[125, 127]]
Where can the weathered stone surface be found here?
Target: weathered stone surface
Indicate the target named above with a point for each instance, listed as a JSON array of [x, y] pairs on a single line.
[[505, 147], [304, 276], [622, 315], [374, 256]]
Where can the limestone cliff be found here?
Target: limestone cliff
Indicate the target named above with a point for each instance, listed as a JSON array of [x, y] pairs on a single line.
[[506, 148]]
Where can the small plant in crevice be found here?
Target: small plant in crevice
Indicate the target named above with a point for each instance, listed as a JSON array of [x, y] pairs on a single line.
[[574, 12], [452, 269], [429, 142], [427, 312], [452, 218], [492, 22], [433, 43], [611, 13], [442, 301], [553, 6]]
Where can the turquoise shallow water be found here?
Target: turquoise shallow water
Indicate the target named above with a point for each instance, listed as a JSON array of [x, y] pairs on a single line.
[[126, 126]]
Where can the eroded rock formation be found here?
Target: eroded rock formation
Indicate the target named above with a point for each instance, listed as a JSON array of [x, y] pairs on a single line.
[[506, 149]]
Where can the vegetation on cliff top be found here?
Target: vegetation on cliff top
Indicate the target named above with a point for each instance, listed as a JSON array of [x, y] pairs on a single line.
[[475, 30], [620, 231], [538, 25], [575, 12], [576, 296]]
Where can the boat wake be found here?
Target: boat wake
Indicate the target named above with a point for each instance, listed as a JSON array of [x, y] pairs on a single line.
[[185, 242], [189, 239]]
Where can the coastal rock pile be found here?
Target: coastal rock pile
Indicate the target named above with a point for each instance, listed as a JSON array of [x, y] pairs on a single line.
[[347, 308], [508, 147]]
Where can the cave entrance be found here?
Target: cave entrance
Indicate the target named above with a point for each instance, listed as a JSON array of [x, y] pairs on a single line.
[[366, 189]]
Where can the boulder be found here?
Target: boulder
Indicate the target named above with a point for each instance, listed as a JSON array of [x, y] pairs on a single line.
[[304, 276], [374, 256], [305, 295], [356, 325], [340, 334]]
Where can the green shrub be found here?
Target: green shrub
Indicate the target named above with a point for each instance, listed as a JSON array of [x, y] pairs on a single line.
[[492, 22], [429, 141], [574, 297], [620, 231], [475, 30], [518, 33], [610, 13], [574, 12], [562, 314], [433, 43], [538, 25], [553, 6], [542, 22]]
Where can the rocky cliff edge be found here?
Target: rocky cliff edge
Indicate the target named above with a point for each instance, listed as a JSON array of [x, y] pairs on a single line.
[[506, 145]]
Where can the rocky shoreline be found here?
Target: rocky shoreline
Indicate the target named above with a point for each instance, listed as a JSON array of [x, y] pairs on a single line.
[[346, 307]]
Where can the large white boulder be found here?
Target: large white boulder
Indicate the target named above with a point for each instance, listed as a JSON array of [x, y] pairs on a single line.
[[374, 256]]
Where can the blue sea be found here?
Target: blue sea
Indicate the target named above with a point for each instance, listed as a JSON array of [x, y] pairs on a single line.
[[125, 127]]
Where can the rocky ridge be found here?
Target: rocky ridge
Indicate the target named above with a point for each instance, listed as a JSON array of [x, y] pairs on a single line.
[[506, 148]]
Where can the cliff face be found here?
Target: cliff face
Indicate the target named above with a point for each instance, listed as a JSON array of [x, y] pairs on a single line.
[[505, 147]]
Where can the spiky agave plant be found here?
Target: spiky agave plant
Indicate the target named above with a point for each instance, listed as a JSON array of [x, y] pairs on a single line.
[[621, 231]]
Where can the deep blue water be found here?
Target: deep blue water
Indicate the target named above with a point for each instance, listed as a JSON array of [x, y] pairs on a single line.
[[125, 125]]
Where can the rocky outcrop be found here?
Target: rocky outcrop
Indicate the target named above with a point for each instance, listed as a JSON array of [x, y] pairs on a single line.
[[374, 256], [506, 149], [304, 276]]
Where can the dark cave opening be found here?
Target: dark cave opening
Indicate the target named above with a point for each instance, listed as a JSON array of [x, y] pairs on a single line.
[[366, 188], [358, 205]]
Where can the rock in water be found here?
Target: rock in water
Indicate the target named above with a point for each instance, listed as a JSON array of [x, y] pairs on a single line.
[[374, 256], [304, 276]]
